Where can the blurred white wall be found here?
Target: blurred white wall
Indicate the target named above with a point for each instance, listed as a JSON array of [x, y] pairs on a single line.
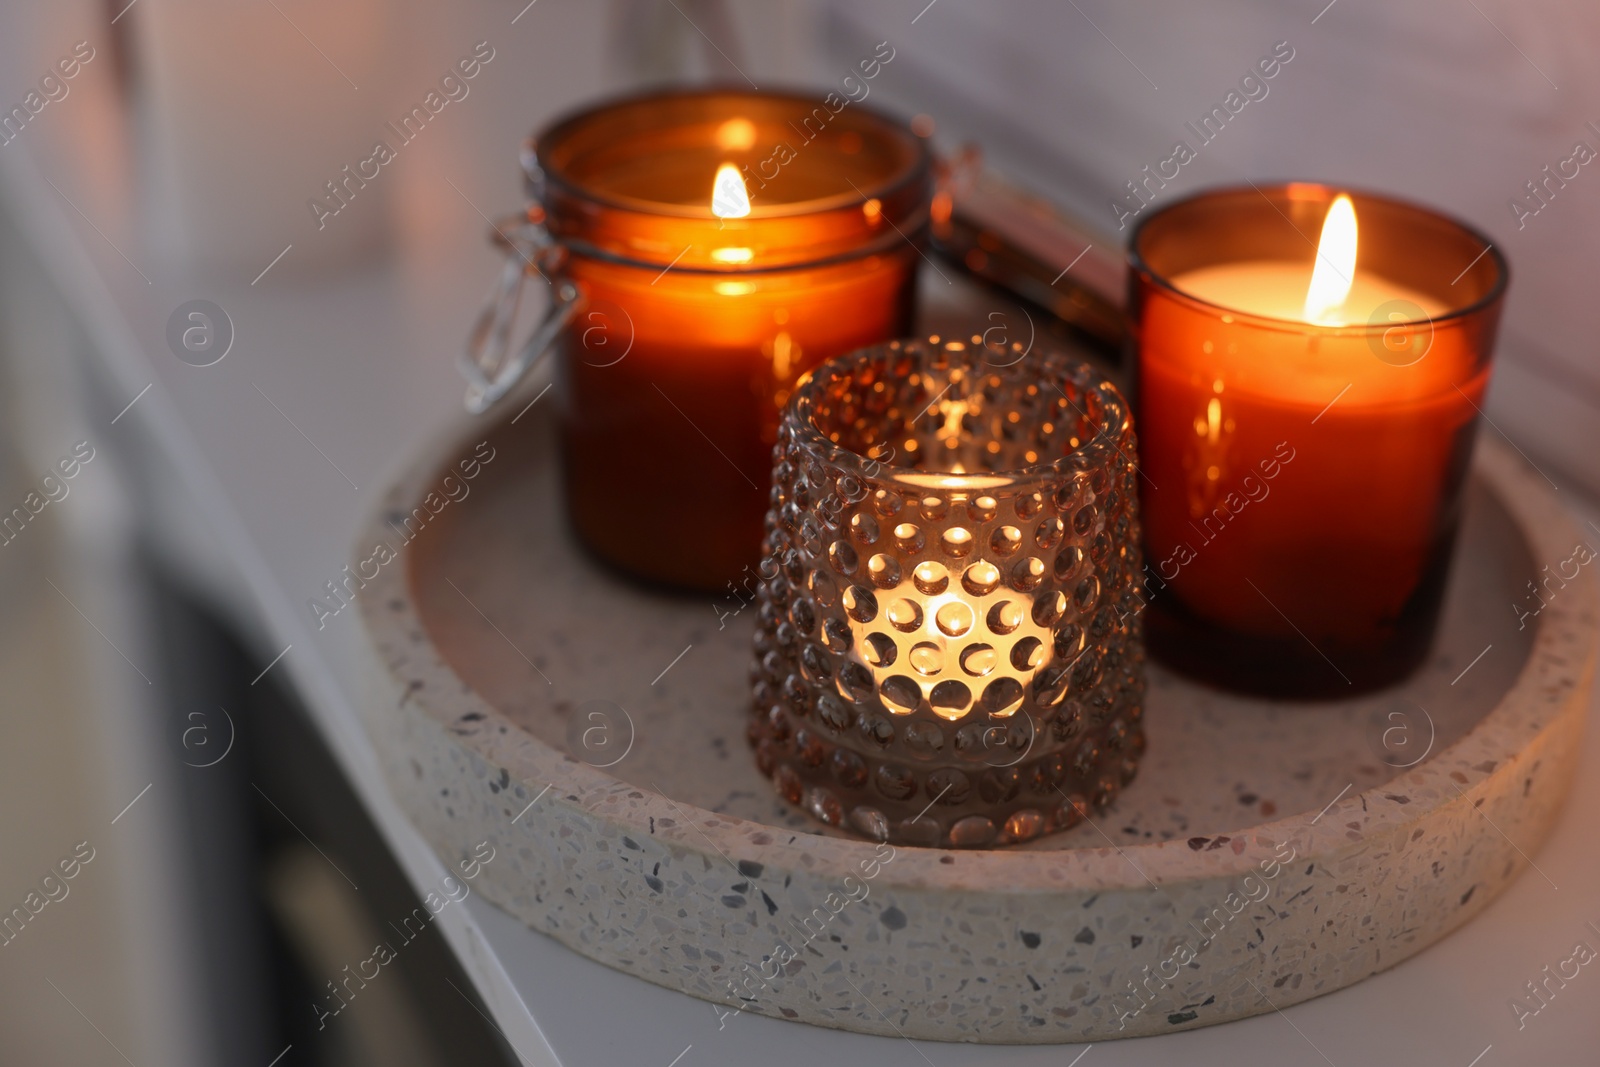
[[1455, 103]]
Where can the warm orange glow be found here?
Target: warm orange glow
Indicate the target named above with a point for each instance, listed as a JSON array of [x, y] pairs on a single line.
[[953, 480], [736, 135], [729, 198], [1287, 410], [1335, 267], [721, 306]]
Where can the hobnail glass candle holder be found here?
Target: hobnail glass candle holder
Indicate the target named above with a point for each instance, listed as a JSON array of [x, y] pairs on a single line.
[[948, 649]]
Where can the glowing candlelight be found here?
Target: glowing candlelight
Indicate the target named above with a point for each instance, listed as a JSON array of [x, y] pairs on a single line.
[[1335, 268], [736, 135], [960, 662], [1329, 291], [1309, 423], [729, 199], [718, 307]]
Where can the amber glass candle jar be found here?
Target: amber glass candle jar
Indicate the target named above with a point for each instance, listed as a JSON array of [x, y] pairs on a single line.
[[948, 648], [692, 319], [1302, 479]]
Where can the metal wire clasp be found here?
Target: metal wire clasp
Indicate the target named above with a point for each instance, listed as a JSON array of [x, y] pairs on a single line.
[[490, 362]]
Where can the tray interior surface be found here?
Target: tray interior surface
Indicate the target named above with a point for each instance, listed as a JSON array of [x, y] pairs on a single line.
[[653, 686]]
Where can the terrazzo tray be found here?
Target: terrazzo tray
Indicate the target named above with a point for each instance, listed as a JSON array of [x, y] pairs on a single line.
[[1265, 854]]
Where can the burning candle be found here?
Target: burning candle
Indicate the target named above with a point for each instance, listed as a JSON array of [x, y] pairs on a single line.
[[948, 649], [720, 244], [1334, 291], [1310, 371]]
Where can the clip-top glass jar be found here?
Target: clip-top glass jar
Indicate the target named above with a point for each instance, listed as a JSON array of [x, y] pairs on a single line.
[[948, 651], [681, 319]]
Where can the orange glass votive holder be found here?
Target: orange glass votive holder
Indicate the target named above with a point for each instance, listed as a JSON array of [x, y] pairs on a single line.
[[688, 316], [1302, 481]]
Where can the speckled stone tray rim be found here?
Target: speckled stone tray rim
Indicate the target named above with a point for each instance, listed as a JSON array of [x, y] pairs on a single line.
[[1543, 709], [1565, 644]]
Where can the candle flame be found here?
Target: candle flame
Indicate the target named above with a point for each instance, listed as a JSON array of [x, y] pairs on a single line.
[[1335, 268], [729, 199]]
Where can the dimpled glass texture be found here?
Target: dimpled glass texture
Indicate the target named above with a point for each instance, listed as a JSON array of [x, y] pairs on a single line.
[[948, 650]]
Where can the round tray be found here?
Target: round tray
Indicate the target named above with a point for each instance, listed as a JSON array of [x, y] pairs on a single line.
[[1265, 854]]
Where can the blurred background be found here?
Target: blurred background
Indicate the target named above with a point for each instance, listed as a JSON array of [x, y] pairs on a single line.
[[153, 717]]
